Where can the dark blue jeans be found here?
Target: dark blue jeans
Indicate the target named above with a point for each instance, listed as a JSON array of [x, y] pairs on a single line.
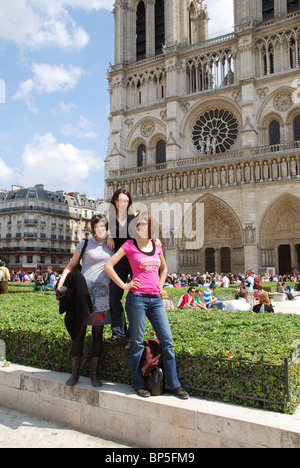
[[138, 307]]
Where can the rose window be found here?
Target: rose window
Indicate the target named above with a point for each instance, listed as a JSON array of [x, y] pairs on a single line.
[[215, 132]]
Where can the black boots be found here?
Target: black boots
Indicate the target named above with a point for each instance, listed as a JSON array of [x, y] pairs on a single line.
[[76, 362], [96, 382]]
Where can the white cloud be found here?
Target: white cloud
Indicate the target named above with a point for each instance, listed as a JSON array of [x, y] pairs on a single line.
[[52, 78], [88, 5], [83, 129], [48, 79], [33, 24], [6, 173], [57, 164], [66, 108]]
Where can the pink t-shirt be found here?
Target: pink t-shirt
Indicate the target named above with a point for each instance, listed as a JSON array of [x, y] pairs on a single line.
[[145, 267]]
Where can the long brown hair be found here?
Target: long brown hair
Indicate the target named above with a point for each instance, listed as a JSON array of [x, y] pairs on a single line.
[[116, 196]]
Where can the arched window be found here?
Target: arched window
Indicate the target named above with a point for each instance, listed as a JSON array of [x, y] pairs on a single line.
[[141, 156], [297, 128], [293, 5], [268, 60], [274, 132], [159, 26], [161, 152], [141, 32], [192, 17], [268, 9]]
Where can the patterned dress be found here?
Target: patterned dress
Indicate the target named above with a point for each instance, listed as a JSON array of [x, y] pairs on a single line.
[[94, 259]]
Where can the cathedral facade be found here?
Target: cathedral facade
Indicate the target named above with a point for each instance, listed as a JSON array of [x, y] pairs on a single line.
[[211, 122]]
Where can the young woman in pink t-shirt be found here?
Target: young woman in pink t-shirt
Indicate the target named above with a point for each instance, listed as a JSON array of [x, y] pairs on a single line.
[[149, 272]]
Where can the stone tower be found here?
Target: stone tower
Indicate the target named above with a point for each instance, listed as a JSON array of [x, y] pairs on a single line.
[[213, 121]]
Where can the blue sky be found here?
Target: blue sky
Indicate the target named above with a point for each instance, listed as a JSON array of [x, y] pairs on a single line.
[[54, 57]]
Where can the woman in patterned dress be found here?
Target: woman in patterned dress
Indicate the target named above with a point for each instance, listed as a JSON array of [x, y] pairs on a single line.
[[94, 259]]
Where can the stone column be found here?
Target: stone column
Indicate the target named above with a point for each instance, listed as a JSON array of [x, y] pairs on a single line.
[[150, 30]]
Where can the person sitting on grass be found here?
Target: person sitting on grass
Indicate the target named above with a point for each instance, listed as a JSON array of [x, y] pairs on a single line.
[[211, 301], [187, 300], [264, 303], [239, 304], [167, 303], [197, 299]]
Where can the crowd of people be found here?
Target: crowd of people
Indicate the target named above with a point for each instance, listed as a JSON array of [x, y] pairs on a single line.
[[249, 294], [41, 278], [178, 280]]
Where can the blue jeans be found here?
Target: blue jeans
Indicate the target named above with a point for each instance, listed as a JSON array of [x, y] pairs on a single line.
[[138, 307], [218, 304]]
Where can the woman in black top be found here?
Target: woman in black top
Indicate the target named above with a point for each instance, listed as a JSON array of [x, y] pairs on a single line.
[[119, 226], [264, 304]]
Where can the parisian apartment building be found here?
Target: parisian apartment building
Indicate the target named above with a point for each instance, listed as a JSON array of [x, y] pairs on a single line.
[[39, 227]]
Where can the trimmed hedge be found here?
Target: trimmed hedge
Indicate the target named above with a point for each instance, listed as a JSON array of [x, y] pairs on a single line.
[[231, 357]]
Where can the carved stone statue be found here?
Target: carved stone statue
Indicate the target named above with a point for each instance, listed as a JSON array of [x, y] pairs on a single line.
[[293, 167], [284, 169], [274, 169], [208, 145], [257, 172]]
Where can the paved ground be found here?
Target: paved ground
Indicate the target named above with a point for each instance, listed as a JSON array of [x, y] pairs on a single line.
[[288, 307], [18, 430]]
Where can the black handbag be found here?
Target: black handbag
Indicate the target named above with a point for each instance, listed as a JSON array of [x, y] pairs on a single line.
[[155, 381]]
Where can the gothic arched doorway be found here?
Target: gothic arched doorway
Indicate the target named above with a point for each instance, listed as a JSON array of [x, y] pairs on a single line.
[[223, 249], [280, 234]]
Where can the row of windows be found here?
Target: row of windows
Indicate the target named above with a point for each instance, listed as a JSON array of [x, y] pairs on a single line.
[[141, 29], [278, 52], [160, 155], [42, 260], [160, 151], [269, 8], [274, 131]]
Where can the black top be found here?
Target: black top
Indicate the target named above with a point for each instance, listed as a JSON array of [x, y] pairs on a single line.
[[150, 254], [268, 308], [120, 234]]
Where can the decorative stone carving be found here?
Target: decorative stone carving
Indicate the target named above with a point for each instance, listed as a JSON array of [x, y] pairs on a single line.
[[216, 131], [249, 235], [214, 177], [129, 123], [147, 129], [283, 102], [262, 93]]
